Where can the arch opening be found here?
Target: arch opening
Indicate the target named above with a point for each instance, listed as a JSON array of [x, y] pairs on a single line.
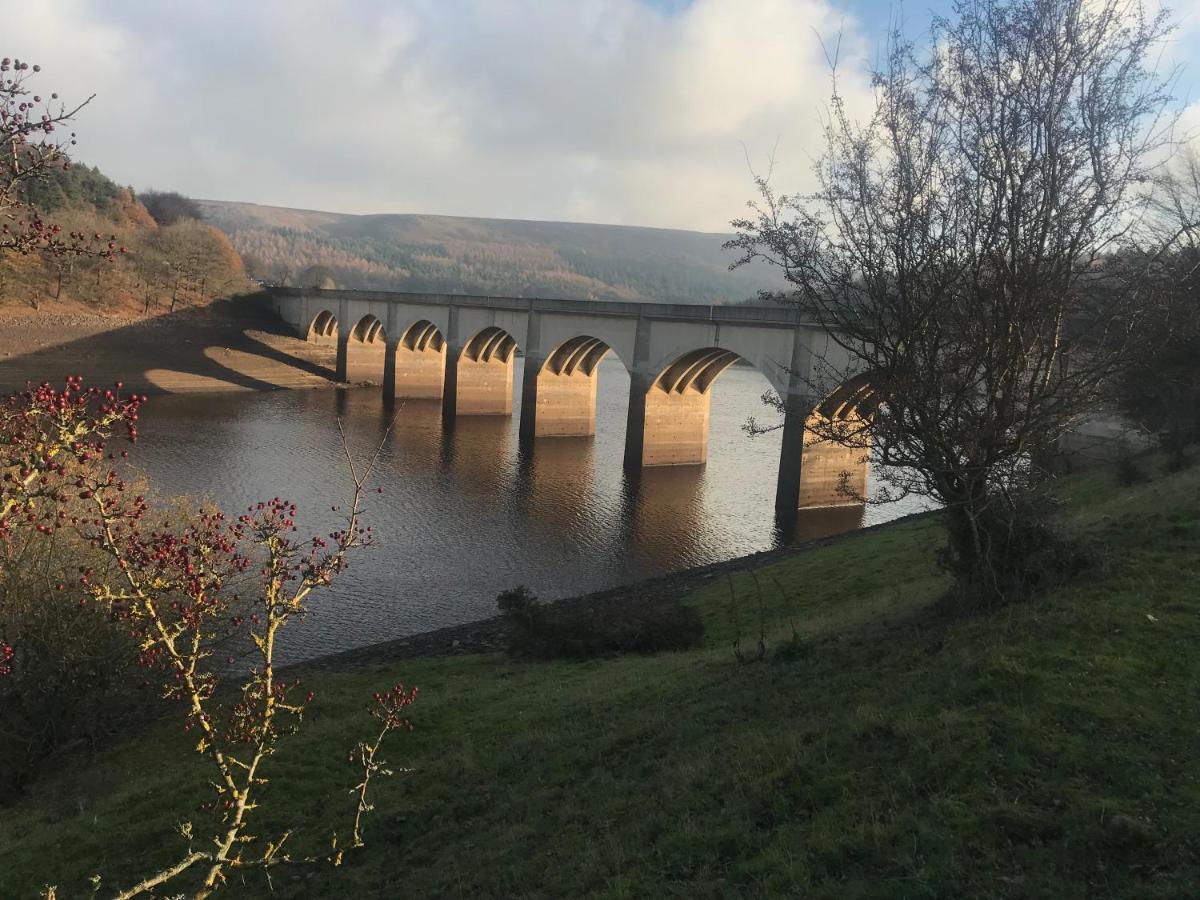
[[676, 408], [578, 354], [368, 330], [421, 336], [695, 370], [559, 398], [491, 344], [484, 374], [323, 327], [419, 364]]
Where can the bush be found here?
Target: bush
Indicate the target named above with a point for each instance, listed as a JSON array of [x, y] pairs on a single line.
[[75, 687], [1020, 551], [1129, 471], [169, 207], [580, 630]]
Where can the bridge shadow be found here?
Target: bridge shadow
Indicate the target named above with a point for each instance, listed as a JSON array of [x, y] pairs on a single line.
[[234, 344]]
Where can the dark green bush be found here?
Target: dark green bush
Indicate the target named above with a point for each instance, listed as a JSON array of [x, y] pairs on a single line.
[[583, 629], [1129, 471], [75, 682]]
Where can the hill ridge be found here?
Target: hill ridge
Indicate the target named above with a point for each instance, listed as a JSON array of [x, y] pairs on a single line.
[[467, 254]]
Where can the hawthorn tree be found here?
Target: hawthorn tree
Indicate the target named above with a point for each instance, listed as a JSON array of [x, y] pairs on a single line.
[[968, 247], [30, 146], [183, 586]]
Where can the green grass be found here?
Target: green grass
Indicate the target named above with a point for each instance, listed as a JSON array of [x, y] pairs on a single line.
[[1051, 749]]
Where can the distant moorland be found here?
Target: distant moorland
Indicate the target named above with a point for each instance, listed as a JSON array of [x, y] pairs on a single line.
[[447, 254]]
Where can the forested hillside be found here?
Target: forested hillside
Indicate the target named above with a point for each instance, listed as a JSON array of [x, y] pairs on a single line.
[[485, 256], [166, 265]]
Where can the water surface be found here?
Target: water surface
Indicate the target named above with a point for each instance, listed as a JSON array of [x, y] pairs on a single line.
[[465, 512]]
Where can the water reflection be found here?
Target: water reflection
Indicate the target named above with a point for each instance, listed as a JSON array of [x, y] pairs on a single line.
[[475, 454], [466, 512], [798, 526], [662, 510]]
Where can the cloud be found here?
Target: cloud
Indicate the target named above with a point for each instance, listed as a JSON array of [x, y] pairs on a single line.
[[600, 110], [627, 111]]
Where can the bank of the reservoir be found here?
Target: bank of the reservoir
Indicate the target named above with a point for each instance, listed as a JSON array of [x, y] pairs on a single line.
[[235, 345], [1042, 750]]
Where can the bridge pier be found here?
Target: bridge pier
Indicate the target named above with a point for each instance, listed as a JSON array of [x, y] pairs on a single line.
[[635, 420], [342, 366], [791, 454], [676, 427], [389, 368], [450, 384], [827, 468], [418, 362], [529, 398], [816, 473]]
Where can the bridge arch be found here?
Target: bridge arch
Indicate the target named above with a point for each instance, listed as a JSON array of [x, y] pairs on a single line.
[[423, 335], [483, 374], [415, 368], [675, 407], [558, 396], [323, 327], [835, 459], [580, 355], [368, 330]]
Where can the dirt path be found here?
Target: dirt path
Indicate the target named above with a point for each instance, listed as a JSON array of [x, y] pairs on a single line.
[[227, 346]]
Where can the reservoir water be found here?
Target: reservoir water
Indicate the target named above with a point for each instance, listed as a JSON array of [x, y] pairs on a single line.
[[465, 512]]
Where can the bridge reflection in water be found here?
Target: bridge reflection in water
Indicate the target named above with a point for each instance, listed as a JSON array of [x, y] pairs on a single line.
[[468, 512]]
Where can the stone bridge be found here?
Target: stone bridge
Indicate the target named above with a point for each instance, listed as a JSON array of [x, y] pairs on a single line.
[[460, 350]]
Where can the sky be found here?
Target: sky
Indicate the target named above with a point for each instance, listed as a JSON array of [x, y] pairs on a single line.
[[635, 112]]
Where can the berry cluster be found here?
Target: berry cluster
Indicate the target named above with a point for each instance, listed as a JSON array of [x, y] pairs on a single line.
[[29, 150]]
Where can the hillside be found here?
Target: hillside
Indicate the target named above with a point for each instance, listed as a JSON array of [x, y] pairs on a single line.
[[1043, 750], [447, 254], [165, 268]]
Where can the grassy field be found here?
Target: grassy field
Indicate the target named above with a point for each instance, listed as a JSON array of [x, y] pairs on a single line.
[[1051, 749]]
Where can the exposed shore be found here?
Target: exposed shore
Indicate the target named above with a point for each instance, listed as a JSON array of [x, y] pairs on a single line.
[[488, 635], [233, 345]]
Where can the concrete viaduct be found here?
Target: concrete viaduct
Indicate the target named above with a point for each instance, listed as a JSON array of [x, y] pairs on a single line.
[[460, 350]]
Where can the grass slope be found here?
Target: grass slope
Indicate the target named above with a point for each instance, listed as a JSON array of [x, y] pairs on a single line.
[[1046, 750]]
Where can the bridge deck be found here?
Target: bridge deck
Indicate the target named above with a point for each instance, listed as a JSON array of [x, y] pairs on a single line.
[[744, 315]]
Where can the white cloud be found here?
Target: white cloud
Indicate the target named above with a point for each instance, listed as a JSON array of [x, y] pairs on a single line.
[[597, 110], [601, 110]]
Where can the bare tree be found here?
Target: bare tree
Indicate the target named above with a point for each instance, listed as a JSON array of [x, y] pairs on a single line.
[[963, 238], [1160, 390]]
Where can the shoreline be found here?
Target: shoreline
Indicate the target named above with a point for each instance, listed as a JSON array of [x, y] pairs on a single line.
[[489, 635], [234, 346], [228, 346]]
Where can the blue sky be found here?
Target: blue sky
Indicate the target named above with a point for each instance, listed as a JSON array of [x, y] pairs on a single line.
[[642, 112]]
